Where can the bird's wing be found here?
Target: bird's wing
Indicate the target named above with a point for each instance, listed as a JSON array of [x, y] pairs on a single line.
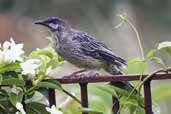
[[97, 50]]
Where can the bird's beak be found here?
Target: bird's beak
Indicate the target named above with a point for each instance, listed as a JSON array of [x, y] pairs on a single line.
[[40, 22]]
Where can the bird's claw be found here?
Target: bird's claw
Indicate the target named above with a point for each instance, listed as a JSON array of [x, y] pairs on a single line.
[[78, 75], [73, 76], [92, 74]]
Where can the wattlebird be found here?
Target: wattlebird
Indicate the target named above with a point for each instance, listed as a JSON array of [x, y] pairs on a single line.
[[82, 50]]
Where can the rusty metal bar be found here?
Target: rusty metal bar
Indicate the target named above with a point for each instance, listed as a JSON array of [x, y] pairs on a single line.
[[111, 78], [147, 97], [52, 98], [116, 106], [84, 95]]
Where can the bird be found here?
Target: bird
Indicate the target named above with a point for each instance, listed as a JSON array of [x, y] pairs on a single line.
[[84, 51]]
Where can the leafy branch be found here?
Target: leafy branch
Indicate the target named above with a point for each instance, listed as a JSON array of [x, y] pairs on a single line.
[[140, 63]]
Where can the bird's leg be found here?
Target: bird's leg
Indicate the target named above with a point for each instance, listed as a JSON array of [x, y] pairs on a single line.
[[92, 73], [76, 74], [80, 74]]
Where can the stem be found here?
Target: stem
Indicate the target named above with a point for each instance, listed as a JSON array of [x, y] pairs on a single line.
[[35, 83], [142, 56], [125, 19], [75, 98], [131, 93], [31, 89], [153, 73], [136, 32], [138, 38], [139, 85]]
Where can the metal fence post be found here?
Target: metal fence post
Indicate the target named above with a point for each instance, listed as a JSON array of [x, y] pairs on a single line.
[[115, 107], [84, 95], [52, 97], [147, 87], [147, 97]]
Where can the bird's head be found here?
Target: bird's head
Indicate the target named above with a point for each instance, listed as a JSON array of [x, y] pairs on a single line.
[[53, 23]]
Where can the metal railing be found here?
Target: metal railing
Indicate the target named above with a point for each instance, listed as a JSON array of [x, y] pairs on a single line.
[[83, 82]]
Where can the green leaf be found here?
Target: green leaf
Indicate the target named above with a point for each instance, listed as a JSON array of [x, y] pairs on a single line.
[[161, 92], [53, 63], [14, 98], [164, 45], [36, 108], [1, 78], [50, 84], [40, 52], [108, 89], [3, 96], [13, 81], [60, 59], [157, 60], [132, 109], [38, 97], [133, 61], [151, 53], [99, 99], [135, 100], [89, 111], [120, 92], [135, 109], [132, 106], [136, 66], [7, 108], [9, 67], [168, 50]]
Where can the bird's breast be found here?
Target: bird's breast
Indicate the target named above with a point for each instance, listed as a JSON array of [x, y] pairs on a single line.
[[77, 57], [72, 52]]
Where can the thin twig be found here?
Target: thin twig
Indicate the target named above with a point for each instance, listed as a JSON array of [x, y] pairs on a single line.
[[72, 96], [142, 55], [154, 73], [136, 32]]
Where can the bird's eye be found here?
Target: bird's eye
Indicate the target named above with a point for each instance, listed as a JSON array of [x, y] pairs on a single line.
[[54, 22], [54, 26]]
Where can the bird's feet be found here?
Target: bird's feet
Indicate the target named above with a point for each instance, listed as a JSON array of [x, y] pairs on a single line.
[[75, 74], [80, 74], [92, 74]]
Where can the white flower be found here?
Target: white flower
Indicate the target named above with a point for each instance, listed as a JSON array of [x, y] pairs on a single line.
[[12, 52], [30, 66], [17, 112], [19, 106], [6, 45], [3, 50], [53, 110]]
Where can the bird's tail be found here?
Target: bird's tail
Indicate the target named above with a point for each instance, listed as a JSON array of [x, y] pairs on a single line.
[[124, 85], [115, 70]]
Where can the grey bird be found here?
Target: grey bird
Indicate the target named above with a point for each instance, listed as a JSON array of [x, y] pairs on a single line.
[[82, 50]]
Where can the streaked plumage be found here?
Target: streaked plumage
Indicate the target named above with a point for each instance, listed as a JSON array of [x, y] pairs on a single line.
[[83, 50]]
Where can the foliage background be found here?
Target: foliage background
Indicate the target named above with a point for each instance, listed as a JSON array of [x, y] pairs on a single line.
[[97, 17]]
